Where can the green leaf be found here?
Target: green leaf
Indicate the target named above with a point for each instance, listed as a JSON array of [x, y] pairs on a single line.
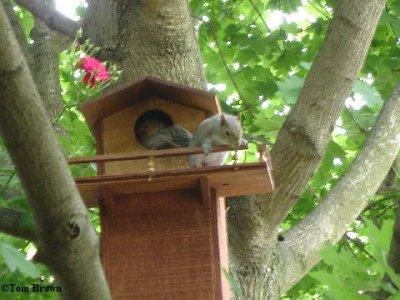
[[290, 88], [267, 126], [380, 241], [196, 6], [16, 260], [290, 28], [347, 277], [370, 94], [80, 11], [395, 25], [26, 20]]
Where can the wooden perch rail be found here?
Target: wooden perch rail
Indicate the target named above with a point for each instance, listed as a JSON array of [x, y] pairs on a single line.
[[226, 180], [146, 154]]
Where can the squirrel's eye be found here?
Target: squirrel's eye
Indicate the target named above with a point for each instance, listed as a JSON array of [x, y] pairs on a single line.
[[227, 133]]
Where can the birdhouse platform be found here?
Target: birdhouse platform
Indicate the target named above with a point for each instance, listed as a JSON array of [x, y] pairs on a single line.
[[163, 224], [226, 180]]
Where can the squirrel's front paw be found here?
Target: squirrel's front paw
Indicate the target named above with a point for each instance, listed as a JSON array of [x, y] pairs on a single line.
[[206, 151]]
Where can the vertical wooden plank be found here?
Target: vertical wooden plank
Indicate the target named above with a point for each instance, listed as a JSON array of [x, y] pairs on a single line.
[[205, 192], [223, 247], [98, 132], [104, 205], [215, 245]]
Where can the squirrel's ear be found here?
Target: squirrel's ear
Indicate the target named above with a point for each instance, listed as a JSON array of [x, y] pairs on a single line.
[[223, 120]]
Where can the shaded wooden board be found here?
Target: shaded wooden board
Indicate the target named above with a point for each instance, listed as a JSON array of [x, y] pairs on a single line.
[[119, 137], [227, 180], [154, 203], [173, 255], [222, 242], [126, 95], [148, 153]]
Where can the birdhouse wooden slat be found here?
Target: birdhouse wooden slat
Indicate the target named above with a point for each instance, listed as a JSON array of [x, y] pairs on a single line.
[[163, 223]]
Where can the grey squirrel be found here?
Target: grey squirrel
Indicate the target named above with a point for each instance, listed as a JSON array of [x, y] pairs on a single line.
[[220, 129], [155, 135]]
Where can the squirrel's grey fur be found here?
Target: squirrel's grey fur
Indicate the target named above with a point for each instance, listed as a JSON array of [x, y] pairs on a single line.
[[220, 129], [169, 137], [154, 134]]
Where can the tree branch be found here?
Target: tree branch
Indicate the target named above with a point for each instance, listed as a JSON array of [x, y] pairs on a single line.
[[16, 25], [389, 184], [10, 223], [50, 16], [46, 66], [302, 141], [349, 196], [66, 238], [307, 129]]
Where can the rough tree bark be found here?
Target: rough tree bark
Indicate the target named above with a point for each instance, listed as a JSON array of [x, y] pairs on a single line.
[[17, 29], [45, 68], [155, 38], [10, 223], [50, 16], [66, 241]]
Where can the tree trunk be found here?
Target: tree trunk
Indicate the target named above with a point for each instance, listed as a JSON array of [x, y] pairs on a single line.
[[154, 38], [45, 68], [67, 243]]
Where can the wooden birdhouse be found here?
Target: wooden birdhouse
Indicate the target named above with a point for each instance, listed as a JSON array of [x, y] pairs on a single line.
[[163, 223]]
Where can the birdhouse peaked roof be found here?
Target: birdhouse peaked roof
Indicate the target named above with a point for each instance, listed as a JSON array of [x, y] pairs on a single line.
[[126, 95]]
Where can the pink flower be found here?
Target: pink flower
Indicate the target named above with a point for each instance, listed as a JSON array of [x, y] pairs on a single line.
[[95, 70]]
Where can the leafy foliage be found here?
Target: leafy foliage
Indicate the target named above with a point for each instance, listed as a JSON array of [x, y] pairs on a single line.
[[257, 54], [26, 20], [79, 140], [15, 260], [261, 51], [358, 273]]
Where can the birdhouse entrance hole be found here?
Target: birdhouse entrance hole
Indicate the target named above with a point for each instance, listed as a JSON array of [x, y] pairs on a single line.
[[149, 122]]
